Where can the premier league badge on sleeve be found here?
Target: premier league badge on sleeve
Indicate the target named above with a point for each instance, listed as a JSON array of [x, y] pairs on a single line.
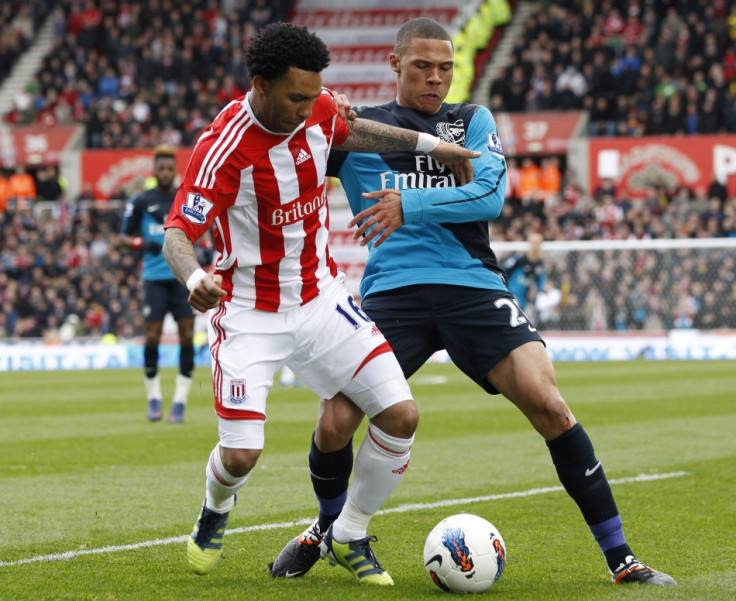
[[494, 143], [196, 208]]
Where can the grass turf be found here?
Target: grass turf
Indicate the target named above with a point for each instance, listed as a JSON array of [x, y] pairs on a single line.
[[84, 473]]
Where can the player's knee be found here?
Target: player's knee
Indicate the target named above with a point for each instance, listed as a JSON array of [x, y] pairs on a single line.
[[239, 462], [331, 435], [552, 415], [399, 420], [338, 420]]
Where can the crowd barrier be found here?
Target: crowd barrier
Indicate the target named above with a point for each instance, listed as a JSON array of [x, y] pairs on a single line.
[[37, 356], [583, 346]]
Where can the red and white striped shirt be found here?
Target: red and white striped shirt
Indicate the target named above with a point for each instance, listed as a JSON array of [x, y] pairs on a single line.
[[266, 195]]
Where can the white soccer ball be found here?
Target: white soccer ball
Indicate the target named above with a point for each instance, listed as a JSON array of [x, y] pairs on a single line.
[[464, 553]]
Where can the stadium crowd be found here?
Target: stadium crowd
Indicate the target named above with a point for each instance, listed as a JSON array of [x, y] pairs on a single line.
[[62, 270], [138, 74], [61, 274], [547, 199], [637, 290], [162, 69], [640, 67]]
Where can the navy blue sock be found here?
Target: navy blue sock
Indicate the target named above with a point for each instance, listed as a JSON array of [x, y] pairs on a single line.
[[330, 474], [584, 479], [150, 360], [186, 361], [610, 537]]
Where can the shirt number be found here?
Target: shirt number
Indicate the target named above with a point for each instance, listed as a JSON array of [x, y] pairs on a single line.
[[517, 317], [354, 308]]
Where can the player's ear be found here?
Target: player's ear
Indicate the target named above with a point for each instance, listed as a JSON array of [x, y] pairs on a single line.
[[262, 86], [395, 63]]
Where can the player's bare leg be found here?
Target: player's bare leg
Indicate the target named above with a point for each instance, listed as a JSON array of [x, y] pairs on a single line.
[[527, 378]]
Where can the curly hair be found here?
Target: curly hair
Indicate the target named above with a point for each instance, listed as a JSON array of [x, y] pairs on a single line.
[[282, 45]]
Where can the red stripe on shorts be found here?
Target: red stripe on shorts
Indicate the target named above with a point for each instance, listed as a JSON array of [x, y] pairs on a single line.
[[379, 350]]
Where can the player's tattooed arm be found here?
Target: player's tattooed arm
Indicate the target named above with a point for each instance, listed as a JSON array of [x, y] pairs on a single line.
[[179, 254], [372, 136], [205, 288]]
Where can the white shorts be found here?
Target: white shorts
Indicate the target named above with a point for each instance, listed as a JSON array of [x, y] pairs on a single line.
[[329, 343]]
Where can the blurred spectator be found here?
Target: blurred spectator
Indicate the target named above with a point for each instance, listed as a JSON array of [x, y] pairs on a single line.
[[547, 305], [22, 187], [551, 179], [48, 186], [530, 181], [4, 192]]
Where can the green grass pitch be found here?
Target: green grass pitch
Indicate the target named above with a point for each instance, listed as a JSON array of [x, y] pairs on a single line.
[[96, 502]]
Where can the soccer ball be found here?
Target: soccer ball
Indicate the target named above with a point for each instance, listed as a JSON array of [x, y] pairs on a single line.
[[464, 554]]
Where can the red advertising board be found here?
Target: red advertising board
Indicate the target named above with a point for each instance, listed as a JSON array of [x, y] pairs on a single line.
[[34, 145], [538, 133], [108, 172], [637, 163]]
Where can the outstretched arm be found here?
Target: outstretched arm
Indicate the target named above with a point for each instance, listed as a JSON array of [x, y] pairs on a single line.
[[205, 289], [372, 136]]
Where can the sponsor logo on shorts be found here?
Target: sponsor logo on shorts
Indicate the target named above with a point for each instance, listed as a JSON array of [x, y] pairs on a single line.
[[237, 391]]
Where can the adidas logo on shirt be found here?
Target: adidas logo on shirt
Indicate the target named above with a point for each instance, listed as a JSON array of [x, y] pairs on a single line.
[[303, 156]]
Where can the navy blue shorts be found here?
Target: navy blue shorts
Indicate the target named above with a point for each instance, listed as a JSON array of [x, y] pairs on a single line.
[[165, 296], [477, 327]]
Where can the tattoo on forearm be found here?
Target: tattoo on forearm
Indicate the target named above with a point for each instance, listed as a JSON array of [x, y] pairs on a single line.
[[179, 254], [367, 135]]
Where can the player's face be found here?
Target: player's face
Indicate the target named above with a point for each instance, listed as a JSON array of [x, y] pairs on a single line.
[[286, 102], [164, 170], [424, 74]]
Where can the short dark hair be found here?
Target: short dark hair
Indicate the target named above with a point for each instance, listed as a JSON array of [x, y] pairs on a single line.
[[422, 28], [279, 46]]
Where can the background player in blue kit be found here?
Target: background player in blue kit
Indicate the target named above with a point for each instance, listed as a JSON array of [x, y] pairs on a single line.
[[432, 282], [526, 273], [143, 229]]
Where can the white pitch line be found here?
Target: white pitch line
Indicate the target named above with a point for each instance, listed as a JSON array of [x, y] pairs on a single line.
[[67, 555]]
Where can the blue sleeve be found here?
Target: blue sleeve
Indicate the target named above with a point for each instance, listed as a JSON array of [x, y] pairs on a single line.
[[510, 264], [481, 199], [131, 225]]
